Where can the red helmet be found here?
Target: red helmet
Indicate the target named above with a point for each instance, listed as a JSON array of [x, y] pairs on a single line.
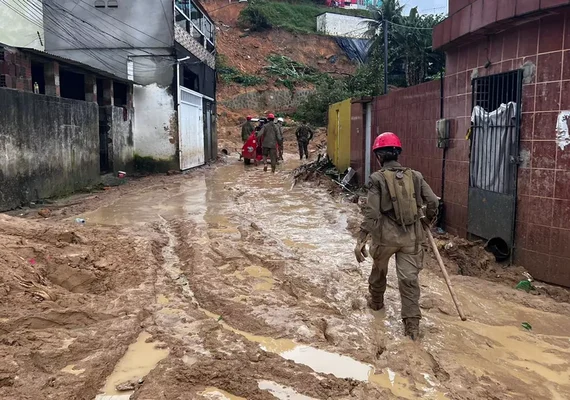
[[270, 116], [249, 117], [387, 139]]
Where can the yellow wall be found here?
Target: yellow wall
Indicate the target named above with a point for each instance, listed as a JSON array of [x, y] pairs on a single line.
[[338, 134]]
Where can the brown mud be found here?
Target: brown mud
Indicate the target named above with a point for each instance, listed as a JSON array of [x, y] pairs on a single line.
[[227, 284]]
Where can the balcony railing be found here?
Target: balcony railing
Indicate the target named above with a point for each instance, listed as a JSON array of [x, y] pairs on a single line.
[[192, 20]]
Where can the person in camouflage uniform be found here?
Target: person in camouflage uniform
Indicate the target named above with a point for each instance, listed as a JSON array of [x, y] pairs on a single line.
[[270, 135], [304, 135], [393, 220], [247, 129]]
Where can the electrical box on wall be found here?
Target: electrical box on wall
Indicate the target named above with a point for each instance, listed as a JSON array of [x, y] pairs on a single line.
[[442, 130]]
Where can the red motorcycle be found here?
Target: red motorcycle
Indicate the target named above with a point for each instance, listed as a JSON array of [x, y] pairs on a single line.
[[251, 150]]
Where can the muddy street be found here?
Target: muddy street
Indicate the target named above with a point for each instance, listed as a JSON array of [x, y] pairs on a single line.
[[226, 283]]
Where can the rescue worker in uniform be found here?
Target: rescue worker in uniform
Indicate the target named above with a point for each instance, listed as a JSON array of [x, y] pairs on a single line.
[[279, 124], [396, 199], [270, 136], [246, 129], [304, 135]]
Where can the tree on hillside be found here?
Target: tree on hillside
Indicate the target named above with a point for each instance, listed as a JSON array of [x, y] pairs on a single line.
[[411, 59]]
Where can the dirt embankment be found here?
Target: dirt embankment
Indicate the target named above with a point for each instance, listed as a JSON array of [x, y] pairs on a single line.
[[247, 51]]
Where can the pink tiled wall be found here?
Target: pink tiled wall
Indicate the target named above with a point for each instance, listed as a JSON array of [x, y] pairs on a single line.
[[412, 113], [543, 217]]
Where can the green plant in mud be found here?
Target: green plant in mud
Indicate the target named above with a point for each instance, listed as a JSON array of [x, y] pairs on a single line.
[[231, 75], [288, 72]]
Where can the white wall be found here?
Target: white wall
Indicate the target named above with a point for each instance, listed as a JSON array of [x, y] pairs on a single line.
[[155, 129], [342, 25], [20, 22]]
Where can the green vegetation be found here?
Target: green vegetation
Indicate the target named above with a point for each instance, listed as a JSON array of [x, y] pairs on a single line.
[[411, 61], [230, 74], [299, 17], [288, 72]]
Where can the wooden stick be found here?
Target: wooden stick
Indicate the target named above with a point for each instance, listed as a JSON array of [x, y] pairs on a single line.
[[445, 275]]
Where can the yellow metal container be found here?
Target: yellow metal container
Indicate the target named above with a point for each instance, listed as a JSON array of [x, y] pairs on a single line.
[[338, 134]]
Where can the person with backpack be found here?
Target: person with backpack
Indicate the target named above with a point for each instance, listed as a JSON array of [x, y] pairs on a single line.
[[304, 135], [392, 220], [270, 135]]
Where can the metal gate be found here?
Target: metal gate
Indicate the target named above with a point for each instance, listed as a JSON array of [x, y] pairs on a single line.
[[191, 131], [494, 156]]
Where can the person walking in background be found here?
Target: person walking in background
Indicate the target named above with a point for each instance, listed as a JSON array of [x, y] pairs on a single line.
[[270, 136], [304, 135], [247, 129], [280, 122]]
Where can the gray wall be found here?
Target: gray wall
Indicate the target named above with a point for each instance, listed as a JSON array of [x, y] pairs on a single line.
[[104, 37], [121, 148], [49, 146]]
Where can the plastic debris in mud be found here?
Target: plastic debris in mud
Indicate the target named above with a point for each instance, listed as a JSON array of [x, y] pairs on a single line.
[[527, 326], [80, 221]]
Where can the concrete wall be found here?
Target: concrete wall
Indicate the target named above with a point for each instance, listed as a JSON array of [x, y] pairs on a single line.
[[342, 25], [140, 28], [542, 47], [278, 100], [49, 146], [121, 147], [21, 22], [156, 129]]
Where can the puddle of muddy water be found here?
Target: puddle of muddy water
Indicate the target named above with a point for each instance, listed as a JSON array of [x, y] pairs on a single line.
[[282, 392], [332, 363], [70, 369], [262, 274], [218, 394], [141, 358]]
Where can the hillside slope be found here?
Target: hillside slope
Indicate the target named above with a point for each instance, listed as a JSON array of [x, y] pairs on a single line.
[[247, 51]]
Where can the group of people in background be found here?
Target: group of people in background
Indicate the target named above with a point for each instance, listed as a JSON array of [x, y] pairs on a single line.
[[270, 133]]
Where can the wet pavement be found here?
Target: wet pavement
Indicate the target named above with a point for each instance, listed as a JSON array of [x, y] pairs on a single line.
[[274, 266]]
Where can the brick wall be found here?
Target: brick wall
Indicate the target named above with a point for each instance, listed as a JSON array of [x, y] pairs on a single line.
[[194, 47], [543, 215], [412, 114], [16, 70]]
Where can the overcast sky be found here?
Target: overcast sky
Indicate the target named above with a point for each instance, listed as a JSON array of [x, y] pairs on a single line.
[[427, 6]]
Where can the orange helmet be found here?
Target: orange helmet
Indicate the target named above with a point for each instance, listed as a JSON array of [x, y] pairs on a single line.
[[270, 116], [387, 139]]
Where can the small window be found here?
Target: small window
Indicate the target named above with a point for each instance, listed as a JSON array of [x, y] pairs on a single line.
[[2, 80], [99, 83], [113, 3], [38, 78], [120, 94], [72, 85], [99, 3]]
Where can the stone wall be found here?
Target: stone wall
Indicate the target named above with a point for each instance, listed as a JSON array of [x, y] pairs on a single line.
[[271, 100], [50, 146]]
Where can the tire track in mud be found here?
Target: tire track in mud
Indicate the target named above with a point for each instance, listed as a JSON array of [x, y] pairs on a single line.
[[197, 370], [234, 255]]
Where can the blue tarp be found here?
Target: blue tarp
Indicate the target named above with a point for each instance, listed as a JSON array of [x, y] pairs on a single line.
[[355, 49]]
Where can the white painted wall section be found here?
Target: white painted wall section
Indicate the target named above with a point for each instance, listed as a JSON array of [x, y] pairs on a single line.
[[20, 23], [155, 129], [342, 25]]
